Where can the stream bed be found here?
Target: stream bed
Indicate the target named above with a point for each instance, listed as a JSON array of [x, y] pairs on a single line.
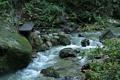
[[51, 58]]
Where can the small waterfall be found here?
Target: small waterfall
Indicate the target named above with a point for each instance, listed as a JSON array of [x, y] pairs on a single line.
[[49, 58]]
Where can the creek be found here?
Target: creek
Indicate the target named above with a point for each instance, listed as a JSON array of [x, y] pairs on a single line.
[[51, 58]]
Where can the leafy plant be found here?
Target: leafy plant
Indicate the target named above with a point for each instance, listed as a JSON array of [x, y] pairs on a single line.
[[109, 68], [42, 12]]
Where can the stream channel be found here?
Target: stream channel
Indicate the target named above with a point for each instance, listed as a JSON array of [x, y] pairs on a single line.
[[51, 58]]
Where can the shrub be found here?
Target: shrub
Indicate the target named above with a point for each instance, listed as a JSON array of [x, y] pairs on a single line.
[[109, 69], [42, 12]]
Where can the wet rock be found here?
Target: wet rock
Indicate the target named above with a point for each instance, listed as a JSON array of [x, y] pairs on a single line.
[[50, 35], [50, 72], [55, 34], [69, 68], [61, 33], [44, 47], [46, 37], [98, 57], [67, 29], [49, 44], [34, 54], [54, 42], [56, 37], [15, 51], [64, 40], [36, 41], [79, 35], [77, 50], [67, 52], [107, 35], [86, 66], [73, 78], [85, 43], [37, 32]]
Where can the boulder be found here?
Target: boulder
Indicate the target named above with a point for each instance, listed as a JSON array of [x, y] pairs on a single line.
[[77, 50], [15, 51], [50, 72], [107, 35], [67, 52], [44, 47], [56, 37], [86, 66], [85, 43], [50, 35], [54, 42], [64, 40], [49, 44], [46, 37], [79, 35], [36, 41], [55, 34]]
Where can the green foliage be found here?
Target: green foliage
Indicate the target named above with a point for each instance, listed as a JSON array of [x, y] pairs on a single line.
[[91, 10], [47, 12], [116, 7], [42, 12], [4, 6], [109, 68]]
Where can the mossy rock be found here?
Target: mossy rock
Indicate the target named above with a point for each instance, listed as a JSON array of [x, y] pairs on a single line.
[[37, 42], [64, 40], [67, 52], [15, 51], [50, 72]]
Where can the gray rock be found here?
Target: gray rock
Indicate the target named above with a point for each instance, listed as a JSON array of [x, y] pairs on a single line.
[[56, 37], [77, 50], [67, 52], [37, 32], [79, 35], [64, 40], [54, 42], [49, 44], [46, 37], [74, 78], [50, 72], [67, 29], [50, 35], [61, 33], [107, 35], [36, 41], [55, 34], [86, 66], [85, 43], [45, 47]]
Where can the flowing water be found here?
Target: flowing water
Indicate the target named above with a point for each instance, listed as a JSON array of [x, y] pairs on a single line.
[[51, 57]]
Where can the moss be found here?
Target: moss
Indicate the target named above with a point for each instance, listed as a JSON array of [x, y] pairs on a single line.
[[15, 53], [24, 44], [50, 72], [37, 44], [64, 40]]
